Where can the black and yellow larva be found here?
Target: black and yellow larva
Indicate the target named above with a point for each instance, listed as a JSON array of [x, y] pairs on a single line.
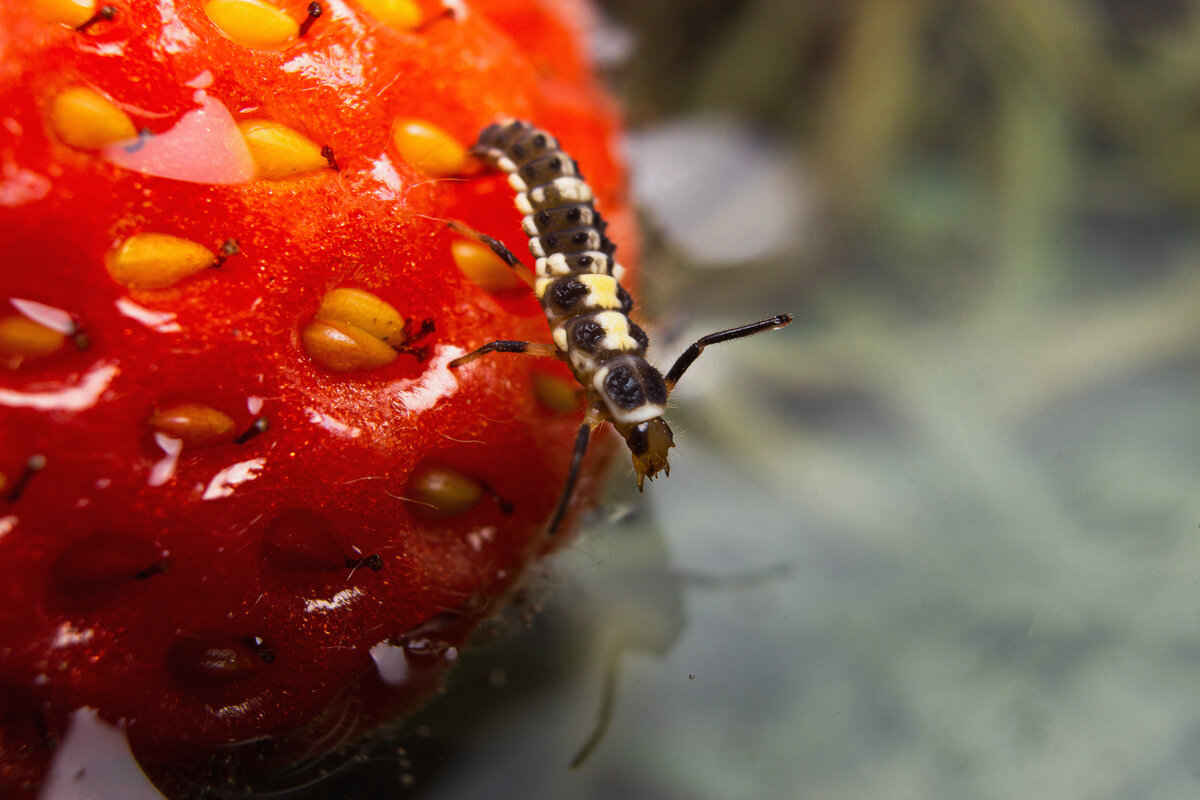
[[587, 308]]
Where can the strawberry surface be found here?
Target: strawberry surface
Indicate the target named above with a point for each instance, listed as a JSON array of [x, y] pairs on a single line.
[[240, 492]]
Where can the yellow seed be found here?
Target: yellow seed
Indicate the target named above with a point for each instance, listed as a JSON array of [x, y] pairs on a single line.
[[483, 266], [439, 491], [428, 147], [22, 338], [192, 423], [364, 311], [278, 151], [554, 393], [342, 347], [403, 14], [252, 23], [86, 119], [68, 12], [156, 260]]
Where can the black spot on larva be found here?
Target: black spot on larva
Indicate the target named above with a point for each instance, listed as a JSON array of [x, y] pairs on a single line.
[[529, 171], [518, 151], [574, 214], [580, 237], [623, 387], [542, 219], [566, 293], [587, 334], [550, 241], [539, 140], [654, 386], [584, 261], [556, 164]]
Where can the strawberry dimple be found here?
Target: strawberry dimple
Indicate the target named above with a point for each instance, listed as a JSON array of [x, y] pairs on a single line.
[[239, 486]]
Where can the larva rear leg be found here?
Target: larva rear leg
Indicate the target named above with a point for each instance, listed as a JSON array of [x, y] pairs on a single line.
[[507, 346], [594, 416], [497, 247]]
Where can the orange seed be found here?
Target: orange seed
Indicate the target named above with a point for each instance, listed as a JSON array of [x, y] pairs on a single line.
[[482, 266], [69, 12], [279, 151], [442, 491], [22, 338], [193, 424], [86, 119], [252, 23], [428, 147], [403, 14], [341, 347], [156, 260]]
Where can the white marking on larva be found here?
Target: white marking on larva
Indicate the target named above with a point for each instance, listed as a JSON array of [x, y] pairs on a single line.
[[540, 286], [602, 291], [616, 332], [517, 182], [618, 272], [560, 338], [633, 416], [552, 266], [529, 224], [504, 162], [582, 362], [523, 204], [535, 247], [569, 189]]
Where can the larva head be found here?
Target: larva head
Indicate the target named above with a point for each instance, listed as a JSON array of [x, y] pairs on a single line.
[[649, 442]]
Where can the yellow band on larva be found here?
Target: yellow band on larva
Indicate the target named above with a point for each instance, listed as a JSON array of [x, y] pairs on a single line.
[[602, 291]]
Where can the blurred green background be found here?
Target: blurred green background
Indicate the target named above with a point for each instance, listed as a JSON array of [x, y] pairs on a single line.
[[939, 538]]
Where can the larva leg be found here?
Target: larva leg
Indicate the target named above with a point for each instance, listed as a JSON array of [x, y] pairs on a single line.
[[497, 247], [506, 346], [590, 421], [692, 353]]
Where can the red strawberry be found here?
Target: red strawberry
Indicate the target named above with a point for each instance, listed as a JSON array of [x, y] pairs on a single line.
[[241, 490]]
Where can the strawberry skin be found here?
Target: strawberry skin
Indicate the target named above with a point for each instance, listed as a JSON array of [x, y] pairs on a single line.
[[236, 489]]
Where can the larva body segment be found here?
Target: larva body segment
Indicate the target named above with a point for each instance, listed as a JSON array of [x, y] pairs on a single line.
[[588, 310], [576, 280]]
